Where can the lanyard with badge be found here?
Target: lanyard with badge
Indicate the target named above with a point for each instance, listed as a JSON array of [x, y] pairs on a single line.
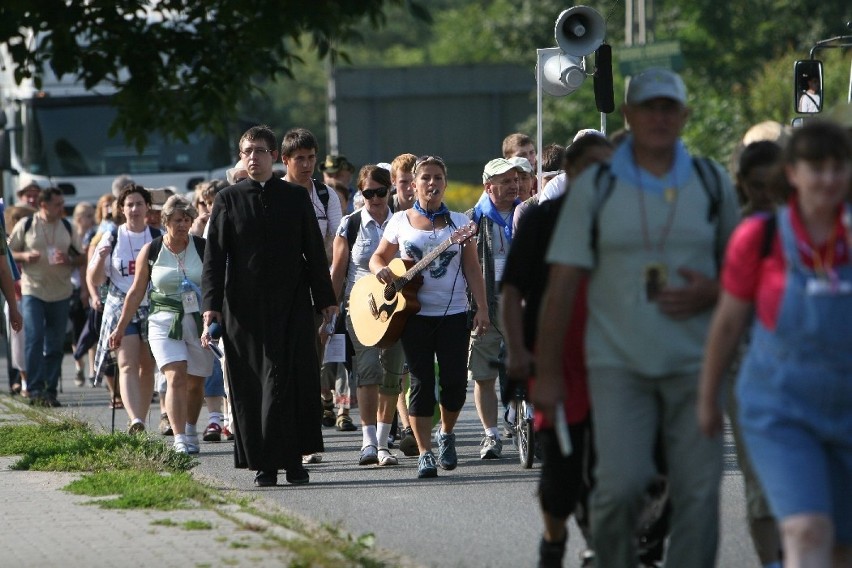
[[827, 281], [655, 273], [190, 294]]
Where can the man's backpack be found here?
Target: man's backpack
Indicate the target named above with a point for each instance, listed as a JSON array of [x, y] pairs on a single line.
[[322, 193], [65, 223], [605, 183]]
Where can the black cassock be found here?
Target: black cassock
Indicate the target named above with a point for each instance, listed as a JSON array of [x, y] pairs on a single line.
[[263, 263]]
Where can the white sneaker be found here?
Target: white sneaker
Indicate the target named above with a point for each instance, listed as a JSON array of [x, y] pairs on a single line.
[[192, 444], [492, 448], [180, 448]]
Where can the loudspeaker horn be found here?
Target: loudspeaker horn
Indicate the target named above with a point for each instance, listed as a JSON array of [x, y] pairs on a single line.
[[579, 30], [561, 74]]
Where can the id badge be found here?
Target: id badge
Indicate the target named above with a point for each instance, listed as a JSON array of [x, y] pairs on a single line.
[[189, 301], [51, 255], [499, 267], [654, 277], [131, 267], [824, 287]]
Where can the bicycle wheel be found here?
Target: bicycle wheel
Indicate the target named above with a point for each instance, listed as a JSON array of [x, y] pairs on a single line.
[[525, 435]]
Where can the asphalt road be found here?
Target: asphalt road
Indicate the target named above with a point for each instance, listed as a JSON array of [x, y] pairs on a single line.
[[482, 514]]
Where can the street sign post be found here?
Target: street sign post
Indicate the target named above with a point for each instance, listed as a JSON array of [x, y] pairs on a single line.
[[635, 59]]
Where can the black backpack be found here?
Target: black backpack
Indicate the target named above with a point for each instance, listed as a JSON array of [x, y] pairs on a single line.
[[65, 223], [353, 222]]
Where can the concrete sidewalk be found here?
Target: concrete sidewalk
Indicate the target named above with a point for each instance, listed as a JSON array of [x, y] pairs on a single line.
[[47, 526]]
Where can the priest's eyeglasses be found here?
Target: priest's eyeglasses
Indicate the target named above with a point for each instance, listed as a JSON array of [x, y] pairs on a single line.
[[255, 150]]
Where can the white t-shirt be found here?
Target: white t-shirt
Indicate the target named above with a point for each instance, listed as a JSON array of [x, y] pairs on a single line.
[[444, 287], [554, 188], [122, 261], [809, 102]]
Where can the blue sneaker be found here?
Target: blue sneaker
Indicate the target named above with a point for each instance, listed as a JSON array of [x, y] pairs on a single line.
[[447, 457], [426, 466]]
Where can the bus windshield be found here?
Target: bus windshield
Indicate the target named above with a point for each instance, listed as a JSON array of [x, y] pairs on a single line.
[[66, 137]]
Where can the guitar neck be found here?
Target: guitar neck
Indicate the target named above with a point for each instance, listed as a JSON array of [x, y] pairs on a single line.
[[400, 282]]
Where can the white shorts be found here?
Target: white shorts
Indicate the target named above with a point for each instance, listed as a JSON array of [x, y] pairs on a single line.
[[199, 361]]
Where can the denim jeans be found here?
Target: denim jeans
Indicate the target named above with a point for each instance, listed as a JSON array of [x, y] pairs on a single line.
[[46, 324]]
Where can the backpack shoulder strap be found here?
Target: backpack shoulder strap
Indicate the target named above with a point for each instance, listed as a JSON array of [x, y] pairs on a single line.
[[769, 228], [154, 250], [322, 193], [353, 222], [707, 171], [113, 239], [65, 223], [200, 245], [604, 184]]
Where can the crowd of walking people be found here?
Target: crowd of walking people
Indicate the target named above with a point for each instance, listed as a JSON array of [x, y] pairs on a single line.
[[635, 293]]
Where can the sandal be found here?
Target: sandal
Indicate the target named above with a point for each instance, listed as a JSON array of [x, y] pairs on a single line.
[[117, 404], [16, 389], [386, 458], [328, 418], [344, 423]]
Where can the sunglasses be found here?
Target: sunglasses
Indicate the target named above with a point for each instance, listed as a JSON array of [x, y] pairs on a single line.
[[371, 193], [428, 160]]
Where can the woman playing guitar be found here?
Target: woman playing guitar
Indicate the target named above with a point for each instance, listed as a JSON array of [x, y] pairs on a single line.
[[440, 329]]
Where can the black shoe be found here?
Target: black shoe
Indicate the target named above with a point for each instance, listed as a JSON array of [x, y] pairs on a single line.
[[297, 475], [550, 553], [51, 401], [266, 478]]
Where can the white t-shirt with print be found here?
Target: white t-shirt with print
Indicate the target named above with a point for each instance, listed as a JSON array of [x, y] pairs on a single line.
[[444, 286], [122, 261]]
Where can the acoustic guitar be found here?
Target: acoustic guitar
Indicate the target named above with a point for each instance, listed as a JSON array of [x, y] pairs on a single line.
[[379, 311]]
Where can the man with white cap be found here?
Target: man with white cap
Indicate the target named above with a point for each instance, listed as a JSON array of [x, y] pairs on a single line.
[[650, 249], [493, 215], [28, 191], [525, 176]]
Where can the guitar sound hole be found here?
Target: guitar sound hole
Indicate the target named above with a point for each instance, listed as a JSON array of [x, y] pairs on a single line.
[[390, 292]]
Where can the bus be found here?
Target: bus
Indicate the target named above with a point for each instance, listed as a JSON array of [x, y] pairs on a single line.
[[58, 135]]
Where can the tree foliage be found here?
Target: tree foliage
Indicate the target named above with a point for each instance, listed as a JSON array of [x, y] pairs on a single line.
[[178, 65]]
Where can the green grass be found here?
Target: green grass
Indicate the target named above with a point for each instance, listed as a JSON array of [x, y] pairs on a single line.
[[141, 490], [123, 471], [70, 445]]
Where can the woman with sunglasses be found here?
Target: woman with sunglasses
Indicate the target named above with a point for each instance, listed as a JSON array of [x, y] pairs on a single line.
[[378, 370], [439, 330]]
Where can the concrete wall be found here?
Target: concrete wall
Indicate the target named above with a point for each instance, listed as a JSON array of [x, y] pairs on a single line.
[[461, 113]]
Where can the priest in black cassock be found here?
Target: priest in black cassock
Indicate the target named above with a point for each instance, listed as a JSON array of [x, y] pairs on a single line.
[[263, 265]]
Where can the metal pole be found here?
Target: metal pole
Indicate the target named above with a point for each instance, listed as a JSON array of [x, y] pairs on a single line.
[[538, 111], [332, 110], [628, 23]]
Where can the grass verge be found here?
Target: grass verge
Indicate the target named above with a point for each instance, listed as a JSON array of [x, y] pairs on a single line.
[[140, 472]]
